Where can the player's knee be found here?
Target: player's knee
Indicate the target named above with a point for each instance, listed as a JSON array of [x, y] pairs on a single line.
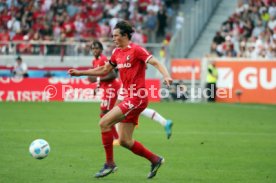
[[103, 124], [125, 143]]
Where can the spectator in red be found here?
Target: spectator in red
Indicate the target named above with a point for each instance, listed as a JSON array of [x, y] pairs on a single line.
[[38, 24], [17, 38], [5, 16], [68, 28], [92, 28], [142, 6], [83, 13], [4, 37], [95, 12]]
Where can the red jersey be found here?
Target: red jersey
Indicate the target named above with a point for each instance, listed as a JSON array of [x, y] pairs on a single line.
[[97, 62], [108, 99], [131, 63]]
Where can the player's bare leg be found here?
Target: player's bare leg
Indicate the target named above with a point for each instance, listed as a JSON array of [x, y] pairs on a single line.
[[106, 123], [116, 127], [125, 134], [126, 140], [111, 118], [114, 130]]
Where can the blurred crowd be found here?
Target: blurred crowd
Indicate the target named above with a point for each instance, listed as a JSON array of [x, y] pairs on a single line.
[[33, 21], [250, 32]]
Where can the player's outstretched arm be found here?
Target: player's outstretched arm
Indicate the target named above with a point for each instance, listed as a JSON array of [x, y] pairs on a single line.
[[167, 78], [91, 72], [110, 76]]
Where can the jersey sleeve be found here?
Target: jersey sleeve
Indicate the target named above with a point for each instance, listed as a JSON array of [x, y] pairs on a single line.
[[112, 60], [103, 60], [93, 63], [142, 54]]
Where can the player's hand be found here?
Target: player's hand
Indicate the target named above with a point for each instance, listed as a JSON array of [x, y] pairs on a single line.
[[74, 72], [168, 81]]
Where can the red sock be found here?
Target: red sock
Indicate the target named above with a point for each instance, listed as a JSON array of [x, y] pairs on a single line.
[[107, 140], [140, 150], [114, 131]]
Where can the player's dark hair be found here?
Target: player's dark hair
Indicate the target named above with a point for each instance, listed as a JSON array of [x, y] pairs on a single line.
[[125, 28], [97, 43]]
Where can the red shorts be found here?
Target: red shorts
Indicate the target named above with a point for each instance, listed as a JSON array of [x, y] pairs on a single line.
[[109, 96], [132, 107]]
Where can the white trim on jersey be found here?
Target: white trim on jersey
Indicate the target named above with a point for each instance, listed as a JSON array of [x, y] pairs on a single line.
[[114, 50], [148, 58]]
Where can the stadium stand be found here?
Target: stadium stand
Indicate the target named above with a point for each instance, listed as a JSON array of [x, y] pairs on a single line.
[[31, 22], [47, 32], [250, 32]]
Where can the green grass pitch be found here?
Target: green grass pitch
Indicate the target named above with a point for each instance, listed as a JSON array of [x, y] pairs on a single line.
[[212, 143]]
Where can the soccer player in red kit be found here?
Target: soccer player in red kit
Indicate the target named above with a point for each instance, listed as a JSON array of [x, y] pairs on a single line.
[[131, 60], [108, 82], [105, 83]]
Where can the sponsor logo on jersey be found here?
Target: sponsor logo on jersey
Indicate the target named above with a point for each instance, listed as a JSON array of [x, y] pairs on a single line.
[[128, 58], [124, 65]]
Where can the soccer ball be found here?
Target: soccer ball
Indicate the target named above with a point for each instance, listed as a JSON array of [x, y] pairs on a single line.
[[39, 149]]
